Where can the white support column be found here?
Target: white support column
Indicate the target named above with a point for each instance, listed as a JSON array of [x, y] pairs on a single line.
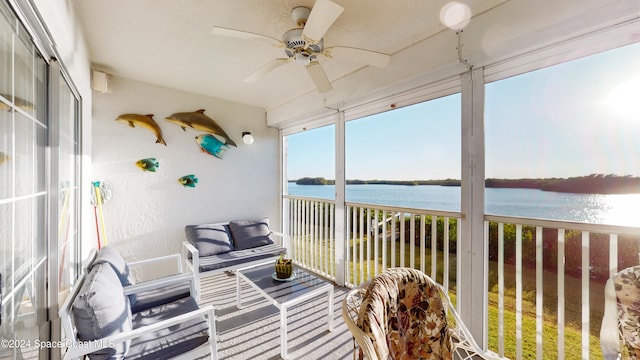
[[285, 206], [340, 199], [473, 263]]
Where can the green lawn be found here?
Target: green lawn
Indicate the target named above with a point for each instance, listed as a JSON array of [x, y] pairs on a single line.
[[573, 302]]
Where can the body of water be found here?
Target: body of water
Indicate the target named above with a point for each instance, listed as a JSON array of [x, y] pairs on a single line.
[[618, 209]]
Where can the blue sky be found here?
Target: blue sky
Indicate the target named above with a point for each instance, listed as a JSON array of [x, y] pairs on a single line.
[[571, 119]]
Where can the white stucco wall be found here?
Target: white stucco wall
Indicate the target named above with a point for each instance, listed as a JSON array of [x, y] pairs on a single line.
[[148, 211]]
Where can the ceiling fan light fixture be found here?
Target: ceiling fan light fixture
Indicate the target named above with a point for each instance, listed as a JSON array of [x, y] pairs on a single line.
[[300, 15], [303, 57]]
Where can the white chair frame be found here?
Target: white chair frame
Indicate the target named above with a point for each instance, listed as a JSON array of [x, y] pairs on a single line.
[[78, 349]]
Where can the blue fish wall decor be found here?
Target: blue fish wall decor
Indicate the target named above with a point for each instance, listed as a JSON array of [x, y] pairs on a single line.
[[148, 164], [188, 180], [211, 145]]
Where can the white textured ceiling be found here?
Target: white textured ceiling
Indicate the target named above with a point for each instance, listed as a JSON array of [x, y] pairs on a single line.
[[169, 42]]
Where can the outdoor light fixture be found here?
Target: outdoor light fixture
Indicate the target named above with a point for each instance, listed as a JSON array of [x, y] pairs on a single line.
[[247, 138]]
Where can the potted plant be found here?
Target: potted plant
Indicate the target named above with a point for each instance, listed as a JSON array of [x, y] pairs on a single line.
[[284, 267]]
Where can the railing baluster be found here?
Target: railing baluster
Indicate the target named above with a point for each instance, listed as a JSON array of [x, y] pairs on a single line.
[[384, 239], [519, 291], [332, 239], [323, 237], [298, 246], [354, 240], [316, 245], [376, 237], [347, 253], [501, 289], [393, 240], [292, 227], [445, 252], [434, 246], [368, 262], [613, 254], [412, 239], [458, 264], [361, 245], [401, 218], [293, 223], [561, 262], [423, 235], [539, 293], [586, 324]]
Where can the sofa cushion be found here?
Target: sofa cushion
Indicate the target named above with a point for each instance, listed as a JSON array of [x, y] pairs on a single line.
[[249, 234], [100, 309], [209, 239], [166, 294], [111, 256], [237, 257], [170, 342]]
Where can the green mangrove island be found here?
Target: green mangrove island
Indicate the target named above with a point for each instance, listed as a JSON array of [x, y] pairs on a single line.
[[591, 184]]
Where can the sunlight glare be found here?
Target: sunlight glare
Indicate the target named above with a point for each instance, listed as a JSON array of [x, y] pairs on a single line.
[[623, 99], [623, 209], [455, 15]]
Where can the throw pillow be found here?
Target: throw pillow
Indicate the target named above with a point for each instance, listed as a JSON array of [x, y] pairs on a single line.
[[209, 239], [100, 309], [249, 234], [111, 256]]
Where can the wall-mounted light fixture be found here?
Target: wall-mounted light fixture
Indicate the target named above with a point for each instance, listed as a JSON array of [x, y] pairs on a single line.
[[247, 138]]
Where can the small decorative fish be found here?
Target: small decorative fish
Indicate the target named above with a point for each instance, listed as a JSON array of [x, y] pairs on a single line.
[[148, 164], [188, 180], [211, 145], [199, 121], [4, 158], [145, 121]]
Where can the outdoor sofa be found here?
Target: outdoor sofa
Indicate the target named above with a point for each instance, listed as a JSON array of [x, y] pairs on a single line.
[[217, 247]]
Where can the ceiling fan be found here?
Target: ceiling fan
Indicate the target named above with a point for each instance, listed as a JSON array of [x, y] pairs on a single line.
[[304, 44]]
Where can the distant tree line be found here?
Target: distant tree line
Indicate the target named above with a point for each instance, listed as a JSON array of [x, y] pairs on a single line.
[[591, 184], [323, 181]]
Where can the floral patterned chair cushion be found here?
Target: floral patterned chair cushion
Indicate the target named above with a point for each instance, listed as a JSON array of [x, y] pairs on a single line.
[[403, 314], [627, 287]]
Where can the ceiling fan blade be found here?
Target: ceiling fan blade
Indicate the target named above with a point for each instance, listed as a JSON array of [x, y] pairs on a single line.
[[368, 57], [239, 34], [323, 15], [319, 77], [265, 69]]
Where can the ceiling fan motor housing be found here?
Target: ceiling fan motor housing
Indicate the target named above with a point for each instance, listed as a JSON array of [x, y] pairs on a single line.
[[296, 46]]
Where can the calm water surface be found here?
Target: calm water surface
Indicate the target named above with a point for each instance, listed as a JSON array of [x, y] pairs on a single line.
[[592, 208]]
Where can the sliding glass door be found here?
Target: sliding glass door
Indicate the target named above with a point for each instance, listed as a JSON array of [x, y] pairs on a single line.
[[39, 197], [23, 189]]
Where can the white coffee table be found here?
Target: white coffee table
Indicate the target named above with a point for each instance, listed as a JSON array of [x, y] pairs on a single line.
[[284, 294]]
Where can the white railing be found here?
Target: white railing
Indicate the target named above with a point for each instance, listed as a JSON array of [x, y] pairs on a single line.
[[546, 278], [380, 236], [536, 254], [312, 234]]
